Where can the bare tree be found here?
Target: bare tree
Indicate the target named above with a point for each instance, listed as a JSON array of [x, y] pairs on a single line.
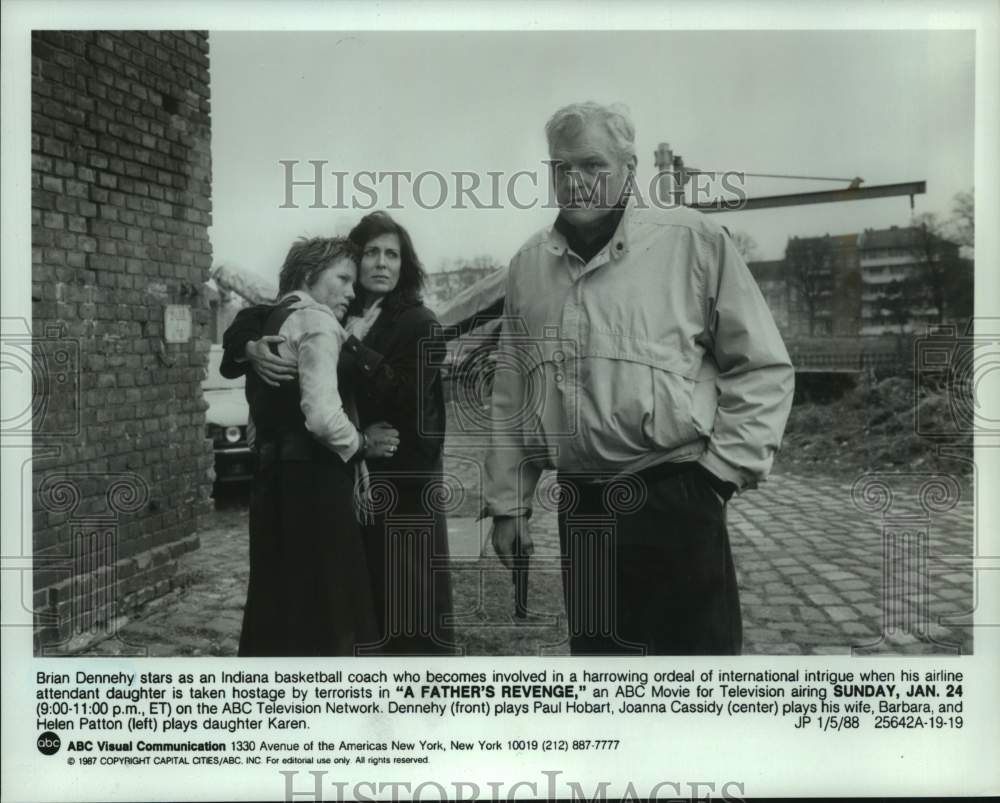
[[936, 259], [484, 262], [961, 287], [898, 300], [809, 262], [963, 219]]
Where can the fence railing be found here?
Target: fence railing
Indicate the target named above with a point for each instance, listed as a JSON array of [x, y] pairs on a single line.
[[859, 361]]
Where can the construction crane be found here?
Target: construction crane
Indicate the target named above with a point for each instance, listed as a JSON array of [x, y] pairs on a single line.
[[673, 175]]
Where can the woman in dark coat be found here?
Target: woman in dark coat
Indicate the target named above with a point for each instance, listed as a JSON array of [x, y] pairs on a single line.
[[408, 543], [307, 593], [395, 354]]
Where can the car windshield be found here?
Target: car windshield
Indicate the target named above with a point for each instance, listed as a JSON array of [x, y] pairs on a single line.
[[213, 379]]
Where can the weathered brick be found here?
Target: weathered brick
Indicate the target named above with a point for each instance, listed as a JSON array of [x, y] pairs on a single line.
[[110, 193]]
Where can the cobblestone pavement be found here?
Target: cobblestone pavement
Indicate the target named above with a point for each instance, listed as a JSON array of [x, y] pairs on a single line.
[[820, 571]]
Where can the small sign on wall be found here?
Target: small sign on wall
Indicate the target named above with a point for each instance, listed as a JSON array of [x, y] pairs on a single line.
[[176, 323]]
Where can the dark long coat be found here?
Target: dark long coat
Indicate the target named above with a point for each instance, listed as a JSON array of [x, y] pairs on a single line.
[[395, 376], [308, 592], [408, 542]]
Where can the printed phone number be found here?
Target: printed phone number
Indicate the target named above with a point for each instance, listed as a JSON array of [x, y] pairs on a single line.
[[562, 745]]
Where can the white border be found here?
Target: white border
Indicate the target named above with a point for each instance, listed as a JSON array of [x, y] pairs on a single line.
[[770, 761]]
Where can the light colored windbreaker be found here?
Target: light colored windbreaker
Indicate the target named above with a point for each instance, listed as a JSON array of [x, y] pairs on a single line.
[[661, 348]]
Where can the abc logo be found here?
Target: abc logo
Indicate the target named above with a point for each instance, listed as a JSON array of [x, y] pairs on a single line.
[[48, 743]]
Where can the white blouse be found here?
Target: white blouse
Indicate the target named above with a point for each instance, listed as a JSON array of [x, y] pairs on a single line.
[[313, 338]]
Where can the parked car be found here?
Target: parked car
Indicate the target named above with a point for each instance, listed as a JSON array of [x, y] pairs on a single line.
[[226, 422]]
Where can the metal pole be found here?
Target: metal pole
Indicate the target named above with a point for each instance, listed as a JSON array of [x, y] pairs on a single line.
[[667, 185]]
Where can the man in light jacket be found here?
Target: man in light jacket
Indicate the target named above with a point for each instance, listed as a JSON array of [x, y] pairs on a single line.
[[639, 359]]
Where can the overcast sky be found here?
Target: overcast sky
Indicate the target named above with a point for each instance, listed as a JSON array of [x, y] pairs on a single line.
[[886, 106]]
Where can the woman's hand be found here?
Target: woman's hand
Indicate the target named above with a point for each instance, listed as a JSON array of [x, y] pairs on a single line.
[[360, 325], [268, 365], [381, 440]]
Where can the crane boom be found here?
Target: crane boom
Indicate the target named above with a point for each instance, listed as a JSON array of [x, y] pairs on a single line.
[[910, 188]]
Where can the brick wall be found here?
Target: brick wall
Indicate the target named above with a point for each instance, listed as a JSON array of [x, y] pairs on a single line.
[[121, 204]]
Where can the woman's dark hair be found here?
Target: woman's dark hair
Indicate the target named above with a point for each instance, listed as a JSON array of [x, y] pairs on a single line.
[[412, 275], [309, 257]]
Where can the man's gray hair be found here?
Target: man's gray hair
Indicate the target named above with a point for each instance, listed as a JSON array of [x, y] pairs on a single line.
[[569, 120]]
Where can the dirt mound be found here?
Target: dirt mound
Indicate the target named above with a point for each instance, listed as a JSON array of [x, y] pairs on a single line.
[[888, 424]]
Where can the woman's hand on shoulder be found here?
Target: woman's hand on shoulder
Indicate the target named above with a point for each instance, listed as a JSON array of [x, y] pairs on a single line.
[[360, 325], [266, 364]]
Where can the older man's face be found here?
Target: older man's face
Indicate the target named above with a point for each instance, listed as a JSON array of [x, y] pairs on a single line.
[[589, 174]]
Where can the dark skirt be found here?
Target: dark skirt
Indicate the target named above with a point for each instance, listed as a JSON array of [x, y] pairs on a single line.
[[308, 592], [407, 550]]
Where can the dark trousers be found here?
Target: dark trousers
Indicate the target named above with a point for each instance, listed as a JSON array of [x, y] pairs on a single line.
[[647, 567]]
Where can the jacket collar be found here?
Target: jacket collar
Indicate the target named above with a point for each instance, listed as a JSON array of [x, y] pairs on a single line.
[[300, 299], [617, 246]]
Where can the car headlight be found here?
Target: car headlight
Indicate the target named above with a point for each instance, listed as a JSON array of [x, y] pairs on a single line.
[[233, 434]]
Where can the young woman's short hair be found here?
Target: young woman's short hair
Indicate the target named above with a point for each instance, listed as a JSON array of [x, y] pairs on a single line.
[[309, 257]]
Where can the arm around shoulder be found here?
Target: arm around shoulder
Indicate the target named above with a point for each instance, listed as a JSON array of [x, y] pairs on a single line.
[[246, 326]]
